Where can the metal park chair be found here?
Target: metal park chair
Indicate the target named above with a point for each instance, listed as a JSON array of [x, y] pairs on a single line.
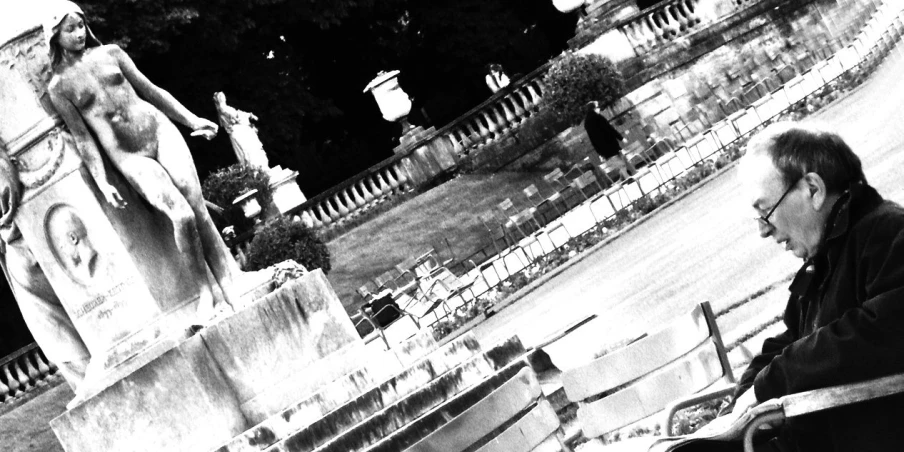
[[646, 376]]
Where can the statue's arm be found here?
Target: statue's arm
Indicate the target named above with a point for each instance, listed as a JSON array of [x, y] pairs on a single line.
[[9, 188], [85, 144], [161, 98]]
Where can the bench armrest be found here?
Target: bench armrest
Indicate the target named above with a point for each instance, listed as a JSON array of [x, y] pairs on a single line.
[[794, 405]]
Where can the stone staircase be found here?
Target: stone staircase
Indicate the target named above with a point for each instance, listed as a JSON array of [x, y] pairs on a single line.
[[393, 401]]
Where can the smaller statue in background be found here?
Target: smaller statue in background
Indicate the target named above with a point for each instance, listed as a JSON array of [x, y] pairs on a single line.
[[242, 134]]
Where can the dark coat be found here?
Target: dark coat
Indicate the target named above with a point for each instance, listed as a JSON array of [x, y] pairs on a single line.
[[845, 323], [604, 138]]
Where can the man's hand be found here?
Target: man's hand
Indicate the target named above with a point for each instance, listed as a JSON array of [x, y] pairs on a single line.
[[111, 194], [745, 401], [204, 128]]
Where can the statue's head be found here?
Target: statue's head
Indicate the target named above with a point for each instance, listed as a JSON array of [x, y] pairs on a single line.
[[67, 28], [219, 98], [70, 243]]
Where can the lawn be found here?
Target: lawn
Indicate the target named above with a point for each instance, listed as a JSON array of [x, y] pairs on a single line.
[[450, 210]]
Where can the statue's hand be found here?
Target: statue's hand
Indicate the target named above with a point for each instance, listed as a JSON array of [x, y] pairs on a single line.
[[111, 194], [204, 128]]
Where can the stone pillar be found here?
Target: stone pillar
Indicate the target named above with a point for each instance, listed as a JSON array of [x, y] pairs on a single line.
[[430, 158], [286, 193]]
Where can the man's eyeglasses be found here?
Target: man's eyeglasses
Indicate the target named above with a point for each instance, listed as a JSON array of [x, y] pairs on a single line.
[[764, 220]]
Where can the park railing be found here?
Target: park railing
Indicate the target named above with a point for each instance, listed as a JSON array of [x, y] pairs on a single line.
[[23, 370], [356, 194], [500, 114], [664, 22]]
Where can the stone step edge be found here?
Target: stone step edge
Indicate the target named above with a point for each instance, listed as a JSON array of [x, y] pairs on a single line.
[[498, 357], [288, 422], [409, 434]]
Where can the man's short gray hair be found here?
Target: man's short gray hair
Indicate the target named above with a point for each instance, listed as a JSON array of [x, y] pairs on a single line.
[[799, 148]]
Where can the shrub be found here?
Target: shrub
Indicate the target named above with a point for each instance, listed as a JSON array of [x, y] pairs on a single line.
[[284, 239], [223, 186], [574, 80]]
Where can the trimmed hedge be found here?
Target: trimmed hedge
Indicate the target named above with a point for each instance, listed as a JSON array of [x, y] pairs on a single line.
[[574, 80], [284, 239], [223, 186]]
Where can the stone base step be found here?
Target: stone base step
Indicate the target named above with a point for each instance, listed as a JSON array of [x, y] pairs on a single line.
[[412, 433], [376, 416], [397, 371]]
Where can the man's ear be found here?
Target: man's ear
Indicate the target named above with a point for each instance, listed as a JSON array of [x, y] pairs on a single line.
[[816, 190]]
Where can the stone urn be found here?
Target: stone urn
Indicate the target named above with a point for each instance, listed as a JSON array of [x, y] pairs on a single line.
[[567, 6], [393, 101]]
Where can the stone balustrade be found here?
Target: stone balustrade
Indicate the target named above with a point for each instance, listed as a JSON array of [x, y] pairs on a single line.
[[23, 370], [662, 23], [500, 114], [355, 194]]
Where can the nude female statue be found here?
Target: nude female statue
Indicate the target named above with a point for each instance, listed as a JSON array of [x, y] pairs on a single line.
[[98, 90]]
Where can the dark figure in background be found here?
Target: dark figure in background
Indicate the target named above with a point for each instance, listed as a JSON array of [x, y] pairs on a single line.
[[606, 142], [845, 316]]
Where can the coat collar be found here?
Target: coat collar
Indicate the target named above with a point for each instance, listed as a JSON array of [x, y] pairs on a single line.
[[853, 204]]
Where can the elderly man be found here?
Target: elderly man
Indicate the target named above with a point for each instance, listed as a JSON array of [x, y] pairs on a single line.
[[845, 316]]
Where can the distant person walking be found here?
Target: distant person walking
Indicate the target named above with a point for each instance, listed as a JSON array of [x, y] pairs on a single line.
[[606, 142]]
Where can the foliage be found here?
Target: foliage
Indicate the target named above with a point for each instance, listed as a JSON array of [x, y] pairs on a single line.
[[284, 239], [223, 186], [575, 79]]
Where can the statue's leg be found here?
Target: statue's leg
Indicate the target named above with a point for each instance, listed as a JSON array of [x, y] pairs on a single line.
[[150, 179], [174, 156], [47, 321]]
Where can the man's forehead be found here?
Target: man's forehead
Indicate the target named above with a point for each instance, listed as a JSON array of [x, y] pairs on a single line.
[[760, 179]]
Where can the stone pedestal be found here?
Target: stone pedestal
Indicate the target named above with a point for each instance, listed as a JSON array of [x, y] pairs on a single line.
[[179, 401], [286, 193], [431, 157], [190, 393]]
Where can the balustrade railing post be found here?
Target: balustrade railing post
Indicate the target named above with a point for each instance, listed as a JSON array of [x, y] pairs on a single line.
[[367, 195], [507, 111], [356, 197], [23, 377], [528, 106], [372, 186], [11, 381], [401, 176], [334, 215], [534, 95], [492, 129], [324, 216], [315, 222], [31, 370], [393, 183], [500, 119], [43, 367], [5, 392], [385, 188], [517, 111], [455, 143]]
